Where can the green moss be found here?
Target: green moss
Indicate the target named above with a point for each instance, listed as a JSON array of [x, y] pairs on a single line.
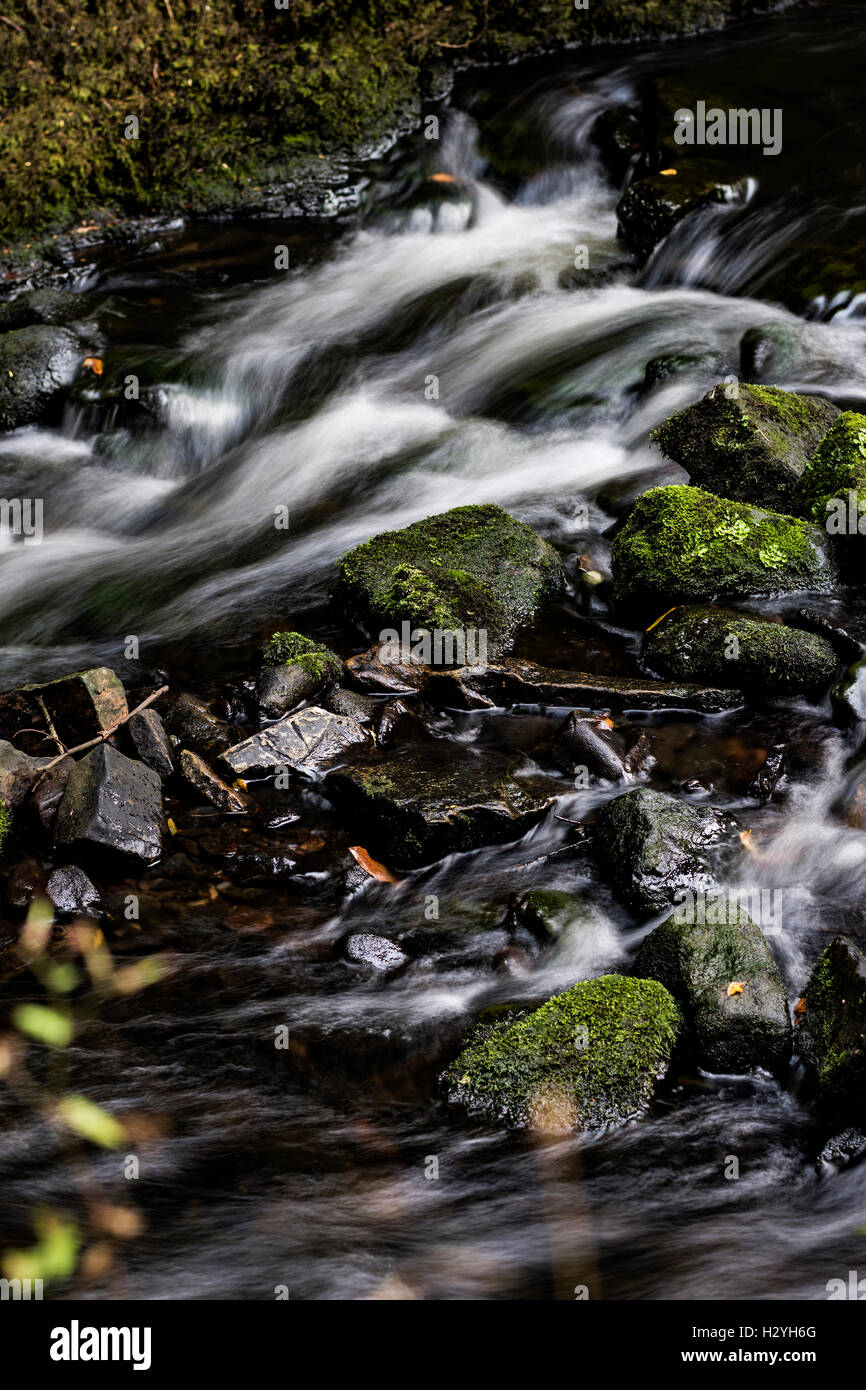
[[750, 443], [830, 1037], [680, 543], [586, 1058], [719, 645], [5, 825], [469, 568], [294, 649], [837, 467]]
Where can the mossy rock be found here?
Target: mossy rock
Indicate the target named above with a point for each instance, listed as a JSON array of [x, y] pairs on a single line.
[[820, 281], [832, 489], [548, 912], [294, 668], [651, 208], [5, 825], [586, 1059], [750, 443], [770, 350], [416, 805], [45, 305], [682, 545], [830, 1037], [36, 363], [699, 960], [754, 654], [473, 567], [655, 847]]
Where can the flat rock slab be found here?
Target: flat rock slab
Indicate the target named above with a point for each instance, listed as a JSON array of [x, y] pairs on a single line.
[[112, 803], [307, 741], [80, 706], [514, 682], [419, 804]]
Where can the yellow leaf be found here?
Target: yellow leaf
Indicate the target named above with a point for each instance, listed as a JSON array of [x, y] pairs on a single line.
[[658, 620], [95, 364], [666, 173], [89, 1120], [735, 987], [172, 828], [45, 1025]]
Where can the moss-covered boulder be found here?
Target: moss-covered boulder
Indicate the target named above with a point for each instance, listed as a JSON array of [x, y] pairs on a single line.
[[682, 545], [418, 804], [754, 654], [45, 305], [653, 206], [470, 568], [750, 443], [655, 847], [294, 668], [832, 489], [35, 365], [714, 960], [586, 1059], [549, 912], [831, 1037]]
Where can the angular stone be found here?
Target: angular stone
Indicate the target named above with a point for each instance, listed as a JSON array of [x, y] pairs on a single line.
[[18, 772], [192, 725], [112, 803], [759, 656], [383, 668], [751, 444], [586, 1059], [698, 961], [417, 805], [831, 1036], [71, 891], [206, 782], [147, 732], [382, 955], [80, 706], [307, 741], [655, 846]]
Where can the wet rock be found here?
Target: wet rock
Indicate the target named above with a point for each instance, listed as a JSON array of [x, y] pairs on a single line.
[[755, 654], [683, 545], [36, 364], [655, 846], [388, 668], [45, 305], [698, 961], [514, 682], [750, 443], [18, 772], [71, 891], [150, 740], [770, 351], [112, 803], [832, 488], [846, 646], [382, 955], [849, 696], [830, 1035], [26, 880], [362, 708], [80, 706], [417, 805], [586, 1059], [307, 741], [468, 571], [587, 742], [619, 136], [295, 668], [651, 207], [548, 912], [843, 1150], [770, 773], [48, 795], [192, 725], [850, 805], [822, 281], [206, 782], [394, 716]]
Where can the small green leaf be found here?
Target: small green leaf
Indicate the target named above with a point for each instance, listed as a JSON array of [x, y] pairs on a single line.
[[89, 1120], [46, 1025]]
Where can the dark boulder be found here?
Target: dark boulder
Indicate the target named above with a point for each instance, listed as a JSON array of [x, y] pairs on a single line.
[[71, 892], [36, 364], [651, 207], [112, 803], [150, 740], [831, 1037], [77, 707], [192, 725], [205, 781], [584, 741]]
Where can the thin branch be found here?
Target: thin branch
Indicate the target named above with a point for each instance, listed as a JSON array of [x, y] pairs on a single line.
[[100, 738]]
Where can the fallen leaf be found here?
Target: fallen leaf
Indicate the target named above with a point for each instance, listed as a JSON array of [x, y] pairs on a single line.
[[605, 723], [658, 620], [735, 987], [95, 364], [371, 866], [442, 178], [666, 173], [172, 828], [799, 1009]]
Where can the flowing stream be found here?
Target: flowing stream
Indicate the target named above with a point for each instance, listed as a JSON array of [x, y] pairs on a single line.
[[439, 348]]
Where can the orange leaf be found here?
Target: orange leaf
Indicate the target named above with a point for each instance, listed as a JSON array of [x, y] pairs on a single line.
[[95, 364], [735, 987], [799, 1008], [605, 723], [666, 173], [442, 178], [371, 866]]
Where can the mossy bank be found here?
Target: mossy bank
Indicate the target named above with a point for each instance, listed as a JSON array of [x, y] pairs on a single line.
[[230, 97]]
